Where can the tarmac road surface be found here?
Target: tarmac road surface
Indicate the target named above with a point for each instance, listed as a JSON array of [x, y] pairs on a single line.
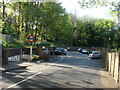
[[74, 70]]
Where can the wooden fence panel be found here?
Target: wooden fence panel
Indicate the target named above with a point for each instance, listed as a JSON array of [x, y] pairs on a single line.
[[109, 62], [113, 65], [119, 72], [116, 68]]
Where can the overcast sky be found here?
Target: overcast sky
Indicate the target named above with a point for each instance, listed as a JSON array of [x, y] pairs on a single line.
[[73, 7]]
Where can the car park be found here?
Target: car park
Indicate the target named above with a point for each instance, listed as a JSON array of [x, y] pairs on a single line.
[[84, 51], [94, 54]]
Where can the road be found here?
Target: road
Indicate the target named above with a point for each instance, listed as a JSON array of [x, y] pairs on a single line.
[[74, 70]]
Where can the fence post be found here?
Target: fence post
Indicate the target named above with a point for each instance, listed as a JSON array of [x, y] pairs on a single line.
[[119, 72], [106, 61], [115, 68]]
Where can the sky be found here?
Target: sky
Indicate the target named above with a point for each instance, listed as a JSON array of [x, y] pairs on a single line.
[[73, 7]]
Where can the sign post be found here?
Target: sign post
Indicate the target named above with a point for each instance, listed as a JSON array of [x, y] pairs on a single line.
[[31, 39], [30, 52]]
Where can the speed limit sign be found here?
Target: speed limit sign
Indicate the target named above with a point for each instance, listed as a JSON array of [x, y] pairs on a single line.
[[31, 38]]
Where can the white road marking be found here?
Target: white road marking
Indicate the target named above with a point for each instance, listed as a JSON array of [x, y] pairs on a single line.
[[68, 55], [23, 80], [31, 76], [62, 58]]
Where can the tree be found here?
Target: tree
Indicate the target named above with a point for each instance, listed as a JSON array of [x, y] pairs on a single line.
[[114, 7], [47, 21]]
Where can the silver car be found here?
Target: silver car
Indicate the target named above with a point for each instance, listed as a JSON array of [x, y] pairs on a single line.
[[84, 51], [94, 54]]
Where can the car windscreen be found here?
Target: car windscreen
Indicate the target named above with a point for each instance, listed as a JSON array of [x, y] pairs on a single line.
[[96, 53], [84, 50]]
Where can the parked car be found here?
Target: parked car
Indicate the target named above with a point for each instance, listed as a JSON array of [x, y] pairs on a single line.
[[59, 51], [94, 54], [65, 49], [79, 49], [84, 51]]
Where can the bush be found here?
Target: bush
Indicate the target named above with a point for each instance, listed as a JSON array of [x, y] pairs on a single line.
[[114, 50]]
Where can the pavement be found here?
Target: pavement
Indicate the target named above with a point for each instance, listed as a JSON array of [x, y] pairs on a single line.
[[15, 65]]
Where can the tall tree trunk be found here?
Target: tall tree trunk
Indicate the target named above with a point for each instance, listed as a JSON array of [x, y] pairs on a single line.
[[3, 15], [36, 29], [3, 11], [19, 20]]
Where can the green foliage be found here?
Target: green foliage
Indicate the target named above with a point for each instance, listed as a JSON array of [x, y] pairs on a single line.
[[94, 32], [9, 44], [114, 50], [50, 23], [46, 21]]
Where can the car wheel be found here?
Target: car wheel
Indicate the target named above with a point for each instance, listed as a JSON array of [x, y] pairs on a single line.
[[64, 53], [90, 57]]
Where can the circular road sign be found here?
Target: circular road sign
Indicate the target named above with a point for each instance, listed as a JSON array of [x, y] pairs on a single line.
[[31, 38]]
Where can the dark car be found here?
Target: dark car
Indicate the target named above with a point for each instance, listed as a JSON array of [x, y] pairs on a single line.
[[59, 51], [80, 50]]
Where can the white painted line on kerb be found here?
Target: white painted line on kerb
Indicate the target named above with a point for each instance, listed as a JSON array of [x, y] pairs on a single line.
[[31, 76]]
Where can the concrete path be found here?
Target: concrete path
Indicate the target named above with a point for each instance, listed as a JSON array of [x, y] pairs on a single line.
[[15, 65]]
